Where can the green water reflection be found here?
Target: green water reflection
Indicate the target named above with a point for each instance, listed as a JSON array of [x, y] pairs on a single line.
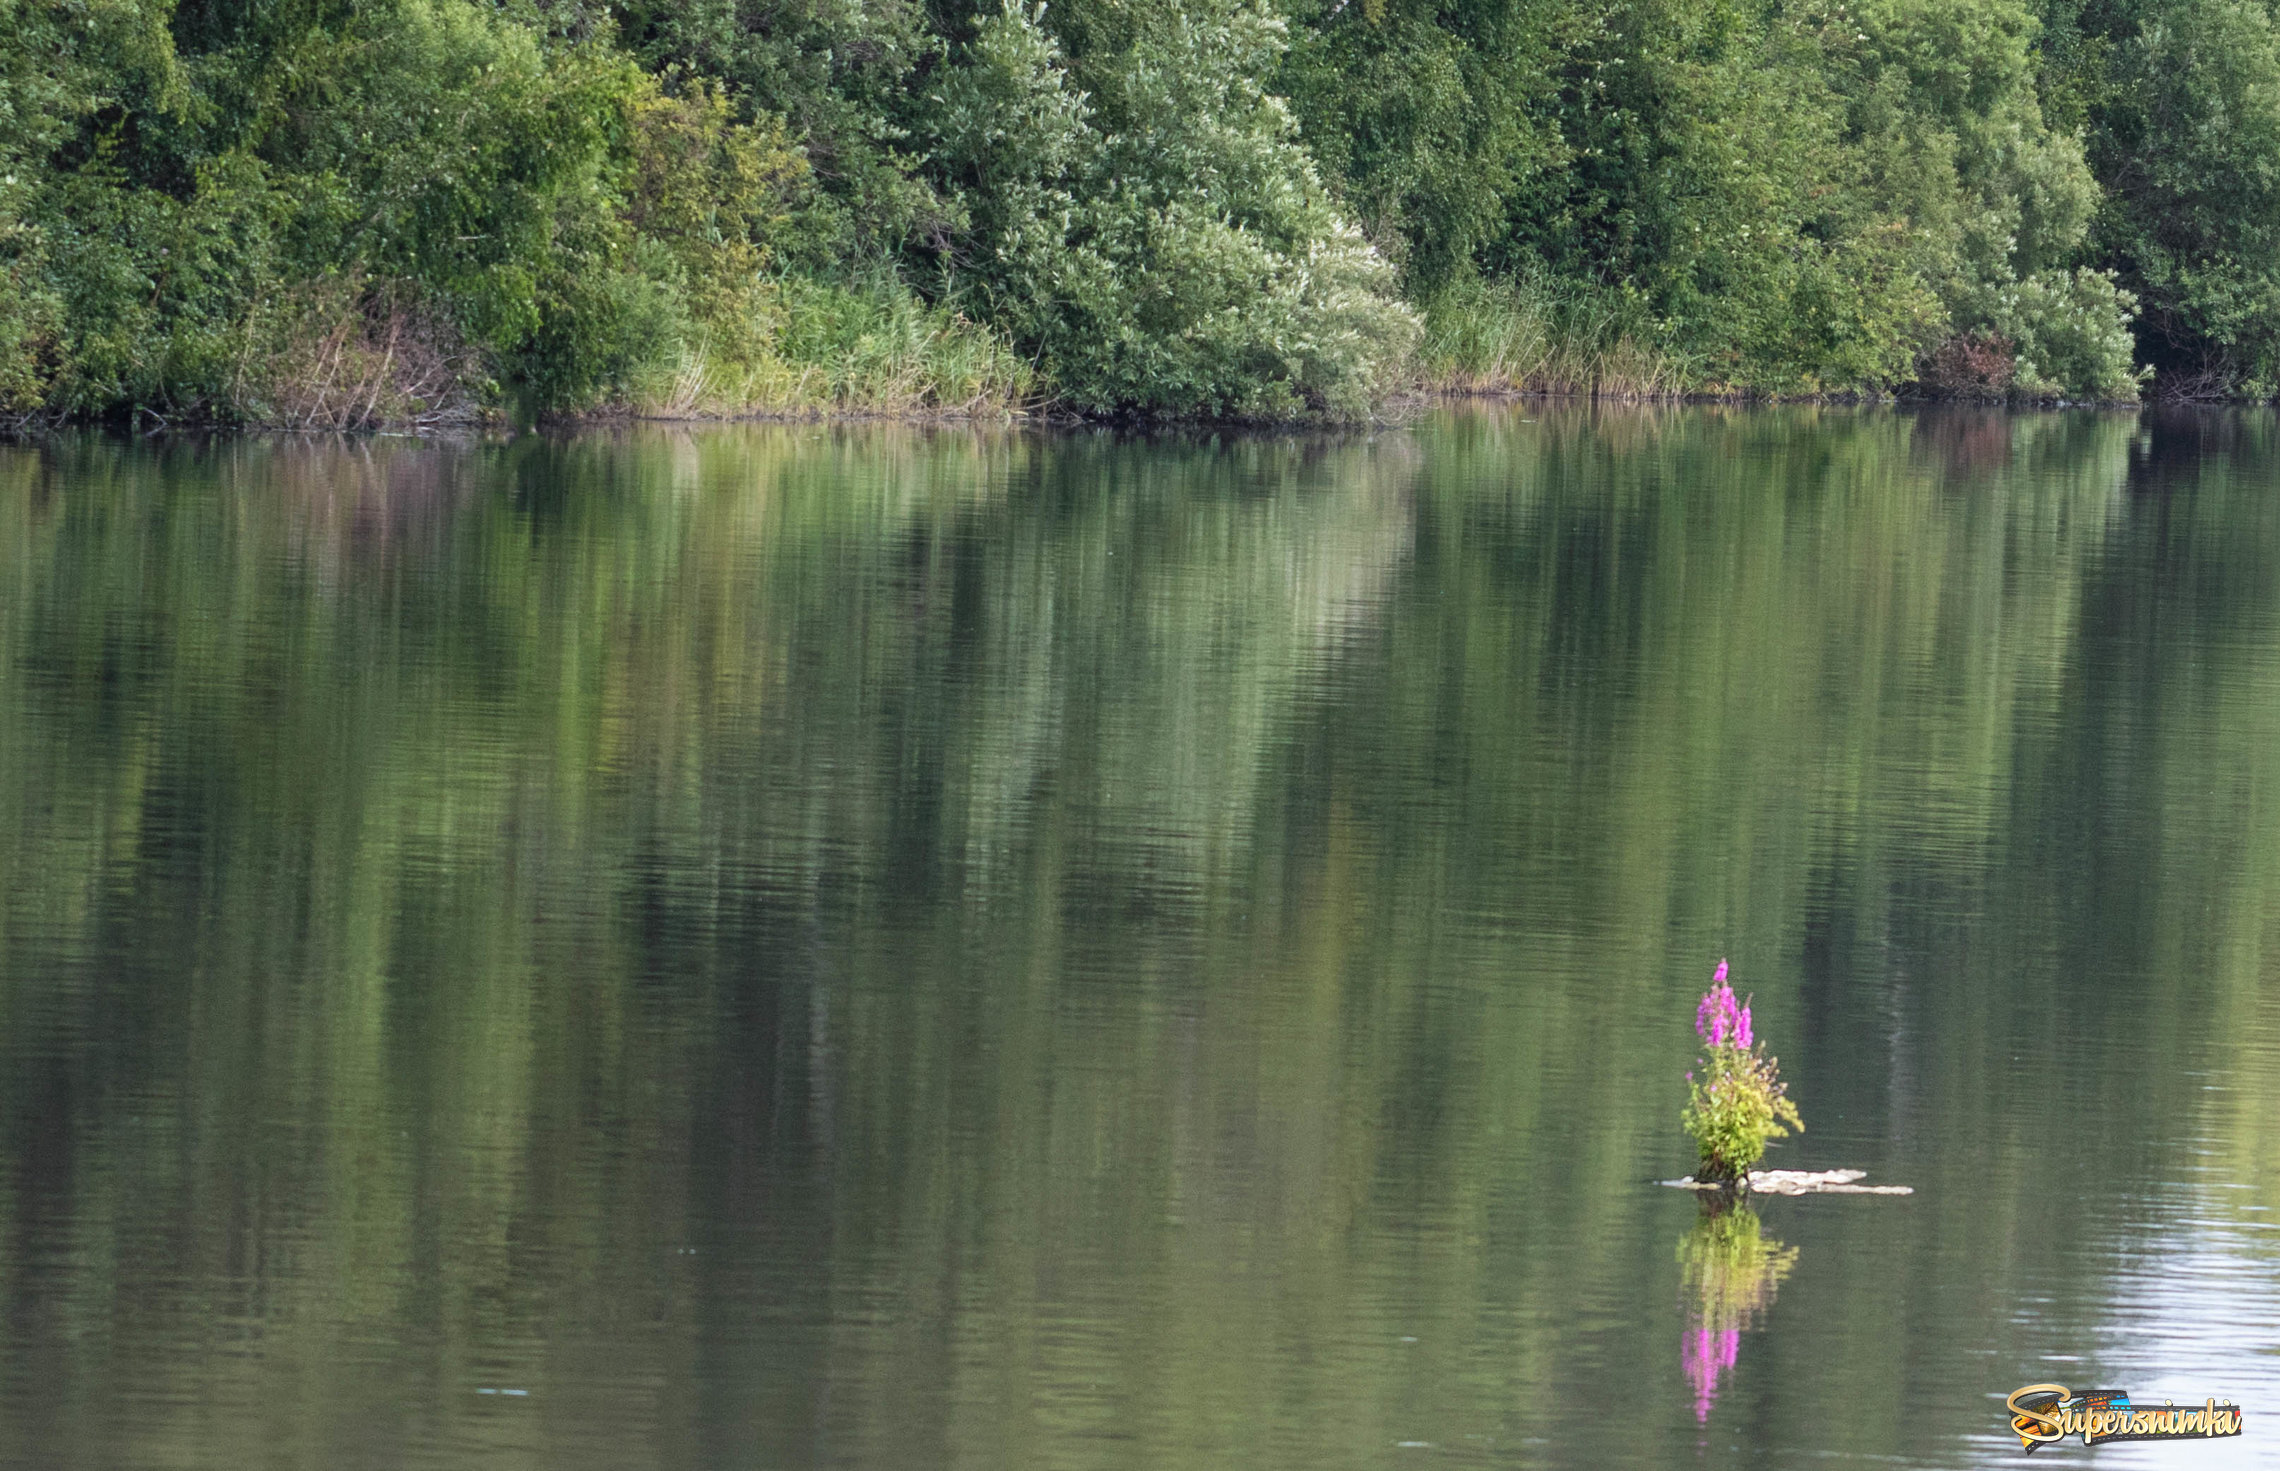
[[927, 948]]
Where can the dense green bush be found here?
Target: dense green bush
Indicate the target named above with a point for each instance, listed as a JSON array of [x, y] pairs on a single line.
[[320, 186], [1790, 198], [839, 71], [2182, 103], [1713, 178], [426, 140], [1941, 96], [1170, 248], [1430, 115]]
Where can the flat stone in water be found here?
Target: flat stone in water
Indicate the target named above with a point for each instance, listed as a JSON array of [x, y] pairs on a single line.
[[1801, 1182]]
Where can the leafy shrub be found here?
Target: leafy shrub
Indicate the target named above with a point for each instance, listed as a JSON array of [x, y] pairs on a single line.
[[450, 147], [1789, 199], [153, 288], [2187, 135], [1188, 261], [559, 226], [1429, 117], [841, 74], [1708, 176], [713, 192], [1941, 99], [2070, 333]]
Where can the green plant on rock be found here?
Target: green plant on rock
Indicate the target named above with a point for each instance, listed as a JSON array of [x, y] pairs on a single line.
[[1736, 1103]]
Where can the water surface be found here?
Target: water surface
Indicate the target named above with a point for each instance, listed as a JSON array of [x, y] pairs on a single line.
[[778, 946]]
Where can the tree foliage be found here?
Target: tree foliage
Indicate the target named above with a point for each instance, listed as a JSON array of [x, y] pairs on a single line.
[[2181, 104], [1235, 208], [1168, 246]]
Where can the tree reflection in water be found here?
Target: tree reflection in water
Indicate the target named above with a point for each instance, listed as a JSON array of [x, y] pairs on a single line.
[[1729, 1270]]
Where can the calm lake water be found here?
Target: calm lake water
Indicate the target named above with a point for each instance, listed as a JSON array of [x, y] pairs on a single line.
[[784, 946]]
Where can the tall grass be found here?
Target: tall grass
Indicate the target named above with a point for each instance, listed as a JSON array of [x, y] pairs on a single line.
[[1530, 335], [815, 348], [346, 353]]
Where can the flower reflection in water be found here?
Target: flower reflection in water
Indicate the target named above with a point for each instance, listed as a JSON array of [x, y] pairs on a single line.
[[1707, 1356], [1729, 1269]]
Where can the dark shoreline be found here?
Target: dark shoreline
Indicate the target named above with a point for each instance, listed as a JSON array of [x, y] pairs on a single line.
[[1401, 410]]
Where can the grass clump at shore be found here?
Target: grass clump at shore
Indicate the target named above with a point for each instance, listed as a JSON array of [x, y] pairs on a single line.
[[1531, 336], [344, 354], [812, 347]]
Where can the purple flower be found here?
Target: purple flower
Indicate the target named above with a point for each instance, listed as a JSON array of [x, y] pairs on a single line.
[[1742, 1029], [1718, 1019]]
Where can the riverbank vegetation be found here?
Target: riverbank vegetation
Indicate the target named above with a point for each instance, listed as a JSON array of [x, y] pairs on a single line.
[[338, 213]]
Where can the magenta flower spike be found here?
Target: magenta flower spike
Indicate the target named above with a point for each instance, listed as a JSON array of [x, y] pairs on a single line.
[[1742, 1029], [1718, 1020]]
